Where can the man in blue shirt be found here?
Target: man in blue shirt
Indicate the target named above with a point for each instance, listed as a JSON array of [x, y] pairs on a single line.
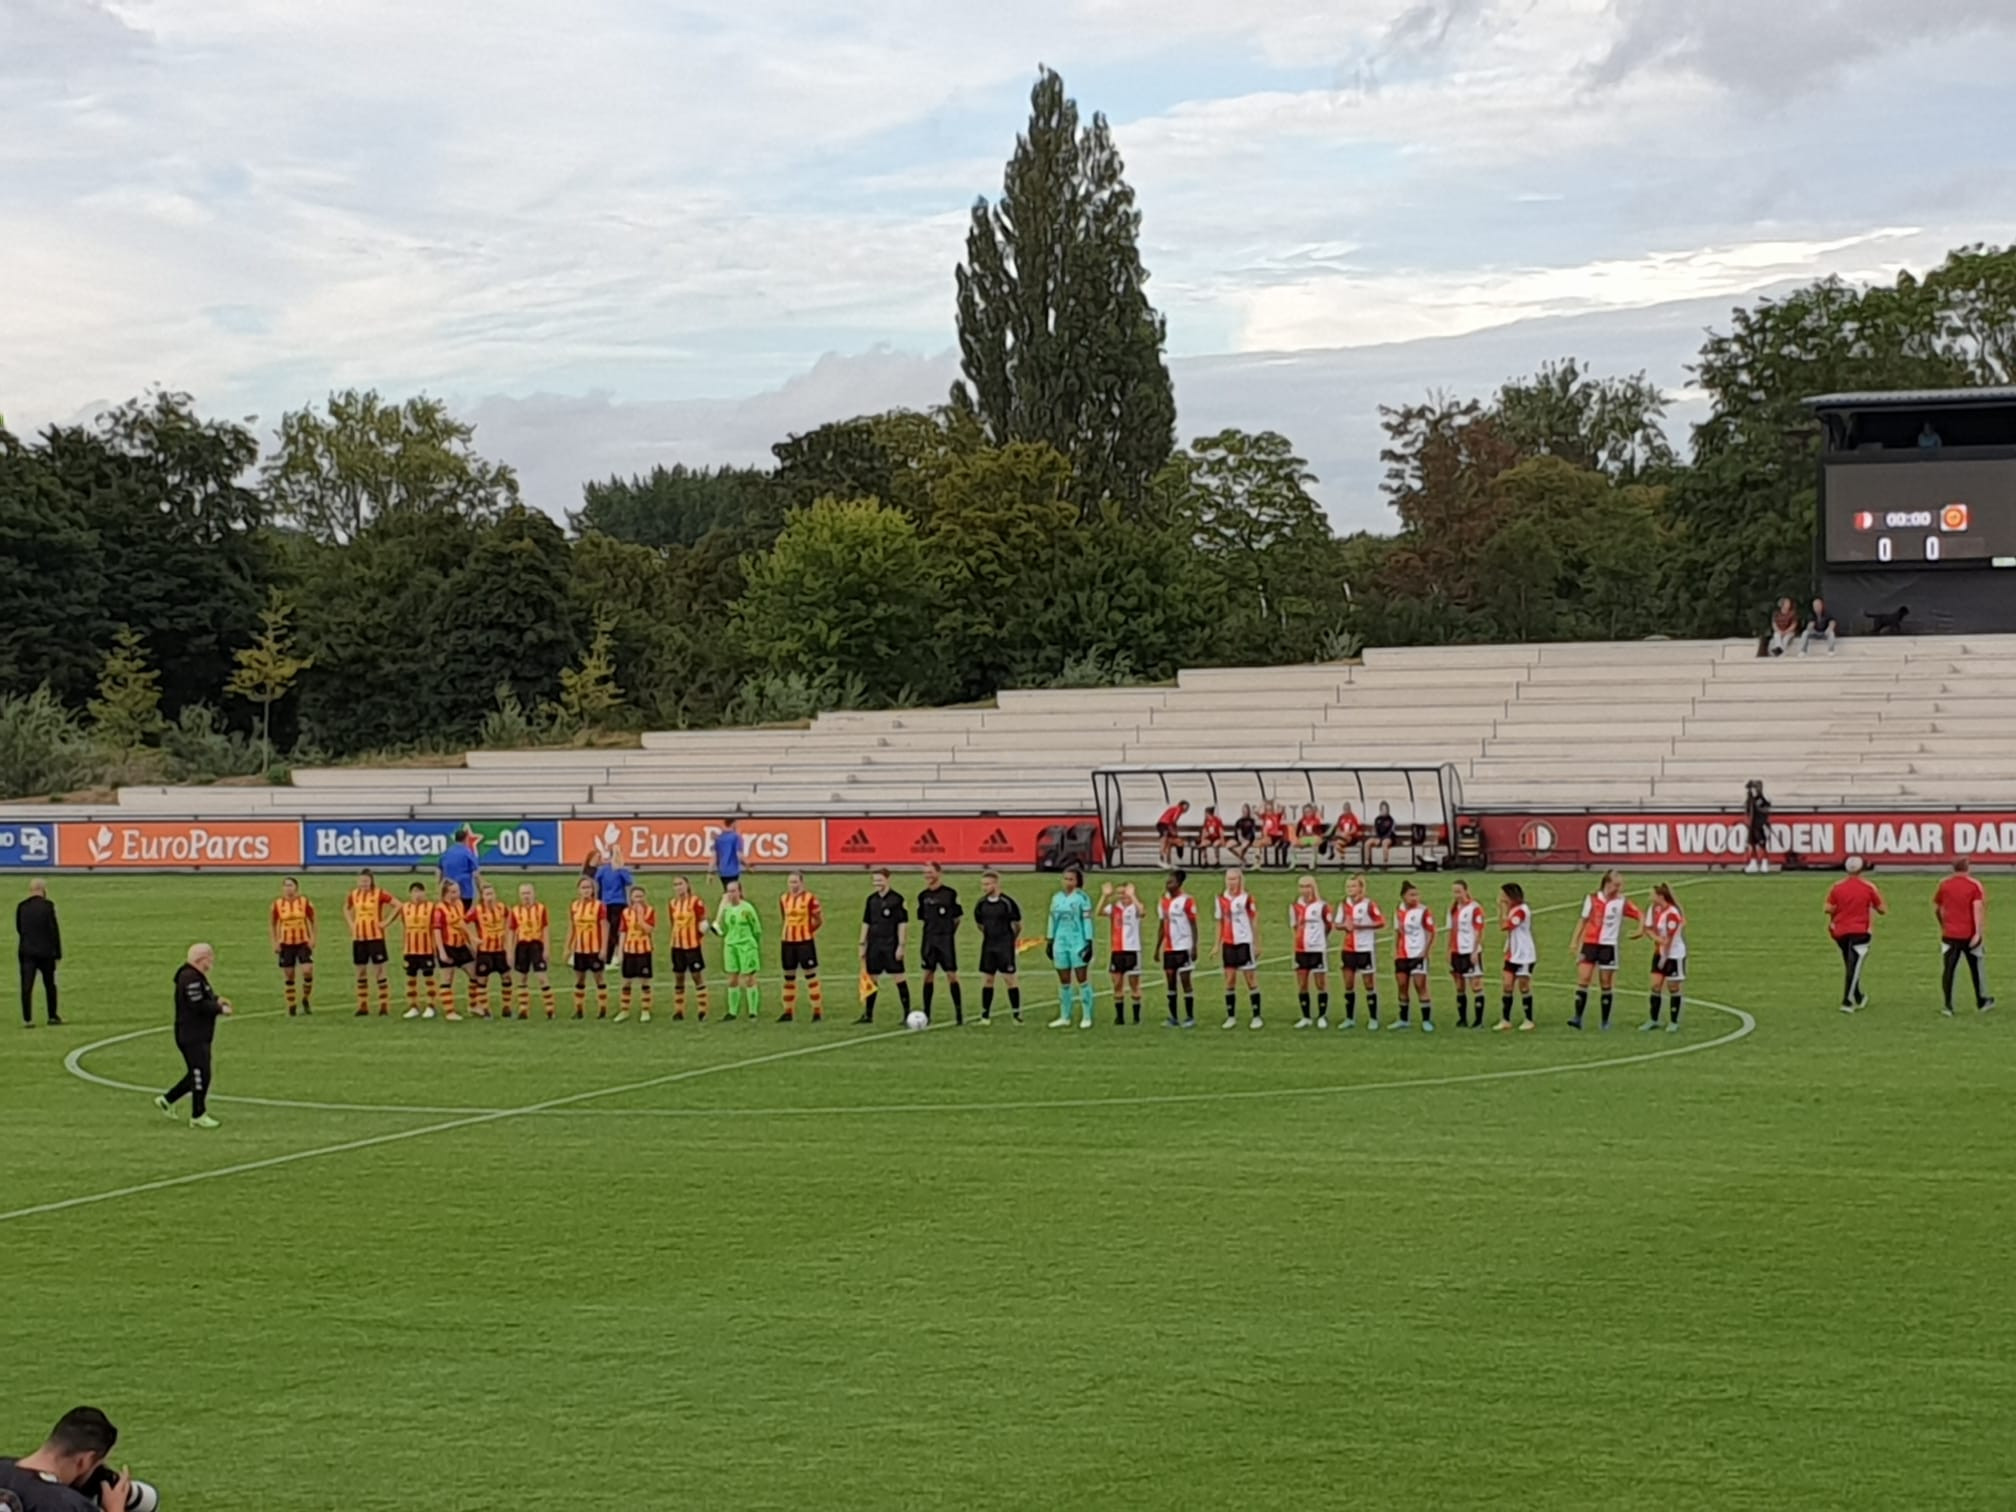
[[612, 885], [460, 864], [728, 851]]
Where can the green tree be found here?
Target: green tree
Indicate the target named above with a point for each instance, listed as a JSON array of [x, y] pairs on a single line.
[[1058, 341], [590, 697], [269, 667], [336, 470], [678, 505], [52, 583], [126, 714], [1608, 425], [845, 592]]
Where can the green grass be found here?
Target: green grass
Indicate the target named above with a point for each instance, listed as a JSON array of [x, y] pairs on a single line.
[[1766, 1275]]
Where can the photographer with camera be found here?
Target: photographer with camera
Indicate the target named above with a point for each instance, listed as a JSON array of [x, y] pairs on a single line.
[[69, 1474]]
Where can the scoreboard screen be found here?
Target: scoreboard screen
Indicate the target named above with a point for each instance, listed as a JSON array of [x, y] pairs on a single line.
[[1918, 511]]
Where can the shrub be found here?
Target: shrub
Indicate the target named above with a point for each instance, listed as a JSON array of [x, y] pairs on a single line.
[[42, 748], [792, 697]]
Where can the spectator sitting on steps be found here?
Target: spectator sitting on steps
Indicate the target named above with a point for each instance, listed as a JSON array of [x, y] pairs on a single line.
[[1784, 628], [1820, 627]]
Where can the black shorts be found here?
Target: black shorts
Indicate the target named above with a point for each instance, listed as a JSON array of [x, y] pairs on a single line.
[[1236, 957], [587, 962], [882, 960], [296, 955], [1673, 968], [1760, 834], [689, 960], [1603, 957], [458, 955], [939, 955], [1312, 960], [636, 965], [530, 956], [1126, 963], [1358, 960], [368, 953], [419, 966], [1166, 831], [1407, 966], [1179, 960], [800, 955], [1461, 965], [998, 958], [1520, 968], [491, 963]]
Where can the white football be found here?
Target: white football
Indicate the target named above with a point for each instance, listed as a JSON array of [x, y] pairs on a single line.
[[917, 1020]]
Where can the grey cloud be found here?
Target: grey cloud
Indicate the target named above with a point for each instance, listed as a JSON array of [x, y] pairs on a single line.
[[50, 44]]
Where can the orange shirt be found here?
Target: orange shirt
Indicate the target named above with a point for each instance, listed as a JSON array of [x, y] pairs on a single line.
[[294, 919], [417, 919], [367, 912], [640, 922], [687, 915], [529, 923], [585, 924], [451, 926], [492, 919], [802, 917]]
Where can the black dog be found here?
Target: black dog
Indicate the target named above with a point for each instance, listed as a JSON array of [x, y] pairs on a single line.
[[1889, 623]]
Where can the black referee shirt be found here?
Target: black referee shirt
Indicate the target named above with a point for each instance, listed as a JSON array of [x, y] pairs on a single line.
[[37, 1493], [196, 1006], [939, 911], [884, 915], [999, 920]]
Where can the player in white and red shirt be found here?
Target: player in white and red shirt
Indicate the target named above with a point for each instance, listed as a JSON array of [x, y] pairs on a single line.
[[1668, 929], [1515, 918], [1466, 954], [1413, 940], [1598, 933], [1179, 946], [1309, 922], [1125, 912], [1239, 945], [1166, 827], [1358, 919]]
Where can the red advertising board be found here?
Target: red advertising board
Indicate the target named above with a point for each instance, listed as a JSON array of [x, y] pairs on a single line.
[[1899, 837], [661, 843], [951, 841], [249, 845]]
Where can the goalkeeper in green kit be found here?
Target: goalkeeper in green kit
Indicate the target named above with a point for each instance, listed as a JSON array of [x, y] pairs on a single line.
[[741, 929]]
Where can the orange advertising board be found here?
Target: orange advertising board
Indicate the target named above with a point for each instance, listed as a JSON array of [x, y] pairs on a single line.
[[178, 845], [676, 843]]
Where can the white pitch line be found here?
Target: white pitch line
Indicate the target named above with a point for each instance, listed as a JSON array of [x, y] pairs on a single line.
[[493, 1116]]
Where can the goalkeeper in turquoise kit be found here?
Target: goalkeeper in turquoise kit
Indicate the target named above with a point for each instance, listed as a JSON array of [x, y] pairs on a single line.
[[741, 931], [1071, 948]]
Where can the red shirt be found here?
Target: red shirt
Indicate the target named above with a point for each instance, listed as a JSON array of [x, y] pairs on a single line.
[[1276, 825], [1955, 901], [1171, 815], [1851, 899], [1214, 827]]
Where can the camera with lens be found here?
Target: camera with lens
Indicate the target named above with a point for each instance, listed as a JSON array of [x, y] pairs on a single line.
[[140, 1496]]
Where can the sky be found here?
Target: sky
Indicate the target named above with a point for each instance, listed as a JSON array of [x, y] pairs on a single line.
[[616, 233]]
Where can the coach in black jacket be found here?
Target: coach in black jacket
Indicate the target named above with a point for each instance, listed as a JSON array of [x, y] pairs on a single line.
[[197, 1009], [41, 947]]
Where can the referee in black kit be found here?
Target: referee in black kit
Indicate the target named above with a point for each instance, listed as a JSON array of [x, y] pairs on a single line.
[[939, 912], [197, 1009]]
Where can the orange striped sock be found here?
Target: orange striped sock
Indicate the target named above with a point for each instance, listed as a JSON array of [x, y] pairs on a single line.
[[363, 993], [702, 991], [413, 993], [384, 995], [601, 1000], [289, 984], [818, 998], [580, 1001], [546, 988], [626, 997], [790, 995]]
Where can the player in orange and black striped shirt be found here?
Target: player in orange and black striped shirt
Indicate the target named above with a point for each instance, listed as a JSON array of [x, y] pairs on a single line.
[[492, 921], [416, 923], [802, 918], [529, 931], [453, 949], [588, 946], [292, 924], [689, 918], [640, 925], [365, 910]]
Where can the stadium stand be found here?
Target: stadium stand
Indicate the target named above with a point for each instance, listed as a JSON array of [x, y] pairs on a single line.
[[1628, 724]]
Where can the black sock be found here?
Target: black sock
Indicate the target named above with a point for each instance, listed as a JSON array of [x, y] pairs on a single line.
[[1323, 1003], [1231, 1005], [1527, 1003], [1305, 1004], [1973, 970], [1372, 1006], [958, 1006], [1254, 997], [903, 996], [1427, 1011], [1655, 1007], [1482, 1004], [1189, 1008], [1462, 1011], [1350, 1005], [868, 1008], [1607, 1000], [1673, 1002], [930, 991], [1015, 1001], [1172, 1002], [1581, 1002], [986, 1001], [1136, 1000], [1505, 1008]]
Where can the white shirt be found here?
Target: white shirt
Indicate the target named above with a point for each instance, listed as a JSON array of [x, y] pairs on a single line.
[[1607, 926], [1179, 922], [1235, 919], [1669, 926], [1417, 932], [1126, 925], [1311, 922], [1466, 928], [1360, 922], [1519, 948]]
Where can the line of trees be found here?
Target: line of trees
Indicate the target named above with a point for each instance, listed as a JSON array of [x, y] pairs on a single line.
[[174, 605]]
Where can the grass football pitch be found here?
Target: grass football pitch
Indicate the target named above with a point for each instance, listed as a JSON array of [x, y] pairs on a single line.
[[792, 1266]]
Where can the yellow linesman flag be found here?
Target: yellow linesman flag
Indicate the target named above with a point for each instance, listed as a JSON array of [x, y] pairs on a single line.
[[867, 984], [1028, 944]]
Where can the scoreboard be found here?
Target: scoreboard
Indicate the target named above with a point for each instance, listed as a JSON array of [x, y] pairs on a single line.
[[1917, 511]]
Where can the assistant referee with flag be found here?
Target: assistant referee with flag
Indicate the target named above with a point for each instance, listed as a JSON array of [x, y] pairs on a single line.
[[197, 1009]]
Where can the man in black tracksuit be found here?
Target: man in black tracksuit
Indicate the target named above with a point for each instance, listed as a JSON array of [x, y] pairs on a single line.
[[197, 1009], [40, 948]]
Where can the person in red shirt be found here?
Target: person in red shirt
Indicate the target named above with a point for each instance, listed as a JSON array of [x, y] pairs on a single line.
[[1211, 839], [1172, 843], [1962, 908], [1274, 825], [1850, 903], [1345, 835]]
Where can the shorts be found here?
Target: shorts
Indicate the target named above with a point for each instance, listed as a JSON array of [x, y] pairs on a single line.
[[939, 955], [636, 965], [1359, 960], [1957, 942], [881, 959], [1178, 960], [491, 963], [1760, 834], [1603, 957], [1520, 968], [741, 960], [1407, 966], [296, 955], [1166, 831], [1461, 965], [530, 956], [587, 963], [1126, 963], [1312, 960], [419, 966], [1071, 957], [997, 958], [689, 960], [368, 953], [801, 955], [458, 955], [1236, 957], [1673, 968]]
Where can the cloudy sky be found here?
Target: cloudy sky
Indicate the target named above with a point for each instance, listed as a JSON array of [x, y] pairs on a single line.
[[619, 232]]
